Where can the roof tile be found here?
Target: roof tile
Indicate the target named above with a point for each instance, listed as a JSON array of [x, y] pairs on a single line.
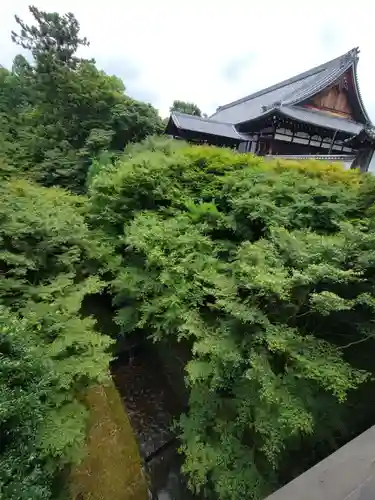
[[321, 119], [287, 92], [206, 126]]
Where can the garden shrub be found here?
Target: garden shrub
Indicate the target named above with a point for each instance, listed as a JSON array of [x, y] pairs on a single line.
[[266, 269], [50, 354]]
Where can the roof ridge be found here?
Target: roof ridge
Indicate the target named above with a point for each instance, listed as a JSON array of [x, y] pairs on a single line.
[[344, 59]]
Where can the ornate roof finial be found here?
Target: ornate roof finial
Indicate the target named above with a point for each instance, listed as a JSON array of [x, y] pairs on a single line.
[[273, 105], [351, 56]]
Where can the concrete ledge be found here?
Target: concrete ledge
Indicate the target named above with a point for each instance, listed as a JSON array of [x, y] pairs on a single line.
[[347, 474]]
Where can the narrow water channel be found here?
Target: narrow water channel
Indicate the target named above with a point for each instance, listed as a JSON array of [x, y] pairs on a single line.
[[152, 405], [149, 400]]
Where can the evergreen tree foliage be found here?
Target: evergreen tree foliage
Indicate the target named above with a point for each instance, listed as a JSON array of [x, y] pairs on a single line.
[[53, 40], [266, 269]]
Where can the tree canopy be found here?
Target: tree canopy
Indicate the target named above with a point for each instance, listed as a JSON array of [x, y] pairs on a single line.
[[61, 110], [24, 383], [266, 270], [53, 40], [58, 112], [49, 354], [188, 108]]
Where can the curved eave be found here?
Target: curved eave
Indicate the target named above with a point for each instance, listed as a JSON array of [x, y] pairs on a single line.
[[309, 118], [258, 119], [204, 126], [321, 120], [366, 138], [359, 96]]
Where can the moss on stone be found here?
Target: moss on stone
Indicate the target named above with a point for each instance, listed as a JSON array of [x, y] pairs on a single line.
[[112, 468]]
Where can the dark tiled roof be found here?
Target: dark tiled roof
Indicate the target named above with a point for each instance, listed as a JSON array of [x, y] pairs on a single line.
[[320, 119], [206, 126], [290, 91]]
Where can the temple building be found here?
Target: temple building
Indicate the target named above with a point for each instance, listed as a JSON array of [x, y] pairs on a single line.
[[318, 113]]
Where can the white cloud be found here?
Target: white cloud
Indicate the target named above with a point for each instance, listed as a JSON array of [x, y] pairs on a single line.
[[194, 50]]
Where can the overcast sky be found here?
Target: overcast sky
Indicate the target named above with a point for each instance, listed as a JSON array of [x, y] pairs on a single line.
[[211, 51]]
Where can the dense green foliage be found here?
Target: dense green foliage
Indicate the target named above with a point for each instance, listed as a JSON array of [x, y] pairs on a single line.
[[267, 271], [46, 245], [188, 108], [49, 354], [264, 269], [58, 115], [59, 111], [24, 382]]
